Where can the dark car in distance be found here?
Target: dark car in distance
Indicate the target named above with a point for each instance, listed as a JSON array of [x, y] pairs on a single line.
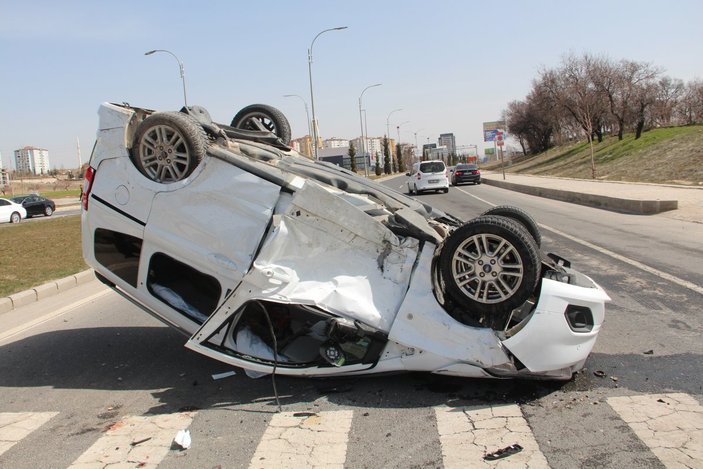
[[465, 173], [36, 205]]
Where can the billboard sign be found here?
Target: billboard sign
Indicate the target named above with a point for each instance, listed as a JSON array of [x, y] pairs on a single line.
[[490, 129]]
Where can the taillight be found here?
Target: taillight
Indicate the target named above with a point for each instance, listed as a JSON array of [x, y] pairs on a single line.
[[419, 176], [458, 173], [87, 186], [477, 171]]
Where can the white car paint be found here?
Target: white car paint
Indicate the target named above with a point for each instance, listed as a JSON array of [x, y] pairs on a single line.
[[8, 208], [286, 239]]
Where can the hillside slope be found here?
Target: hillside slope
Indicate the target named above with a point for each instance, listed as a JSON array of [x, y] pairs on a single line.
[[669, 155]]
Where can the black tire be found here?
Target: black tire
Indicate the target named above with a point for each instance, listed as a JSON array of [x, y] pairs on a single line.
[[48, 211], [489, 266], [261, 117], [445, 190], [520, 216], [168, 146], [15, 217]]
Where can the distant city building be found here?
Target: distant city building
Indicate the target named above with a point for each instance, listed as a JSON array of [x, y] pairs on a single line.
[[335, 143], [32, 160], [303, 145], [439, 153], [374, 147], [427, 149], [447, 140]]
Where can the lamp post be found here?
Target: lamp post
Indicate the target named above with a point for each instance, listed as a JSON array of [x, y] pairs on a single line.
[[307, 114], [415, 133], [388, 127], [398, 129], [180, 66], [361, 123], [312, 95]]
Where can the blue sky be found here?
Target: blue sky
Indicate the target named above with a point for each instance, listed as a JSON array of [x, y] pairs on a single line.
[[449, 64]]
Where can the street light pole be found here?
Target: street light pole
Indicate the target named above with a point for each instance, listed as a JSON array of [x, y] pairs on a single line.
[[398, 128], [415, 133], [312, 95], [307, 114], [388, 127], [367, 161], [180, 66]]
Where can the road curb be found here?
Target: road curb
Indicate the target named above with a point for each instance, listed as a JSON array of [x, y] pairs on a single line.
[[614, 204], [26, 297]]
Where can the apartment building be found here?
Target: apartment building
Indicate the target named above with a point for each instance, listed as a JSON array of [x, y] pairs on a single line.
[[32, 160]]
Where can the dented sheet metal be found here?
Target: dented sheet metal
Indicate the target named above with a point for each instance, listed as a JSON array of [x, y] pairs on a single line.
[[275, 263]]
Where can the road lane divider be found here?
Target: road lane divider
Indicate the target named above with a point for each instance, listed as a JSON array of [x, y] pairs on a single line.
[[304, 439], [15, 426], [135, 441], [470, 435]]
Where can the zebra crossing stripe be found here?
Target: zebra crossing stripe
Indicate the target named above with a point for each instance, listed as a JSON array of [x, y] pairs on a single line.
[[467, 434], [14, 426], [671, 425], [295, 440], [135, 441]]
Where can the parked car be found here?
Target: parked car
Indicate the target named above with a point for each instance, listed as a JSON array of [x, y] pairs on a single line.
[[428, 176], [274, 263], [36, 204], [462, 173], [11, 211]]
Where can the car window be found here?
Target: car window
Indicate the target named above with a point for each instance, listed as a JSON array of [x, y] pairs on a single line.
[[471, 166], [462, 167], [4, 202], [432, 167]]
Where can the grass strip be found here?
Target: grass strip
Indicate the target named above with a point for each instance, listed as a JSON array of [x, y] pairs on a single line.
[[37, 252]]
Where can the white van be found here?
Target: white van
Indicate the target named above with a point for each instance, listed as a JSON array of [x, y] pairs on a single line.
[[428, 176]]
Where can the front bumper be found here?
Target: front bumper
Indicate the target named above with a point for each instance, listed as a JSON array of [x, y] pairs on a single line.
[[550, 340]]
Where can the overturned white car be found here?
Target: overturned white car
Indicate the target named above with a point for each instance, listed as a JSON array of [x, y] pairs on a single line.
[[271, 262]]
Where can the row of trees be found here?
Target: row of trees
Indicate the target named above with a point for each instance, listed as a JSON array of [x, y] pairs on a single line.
[[596, 96], [390, 164]]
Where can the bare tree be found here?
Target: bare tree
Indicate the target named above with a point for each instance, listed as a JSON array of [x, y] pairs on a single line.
[[691, 105], [668, 94], [572, 88]]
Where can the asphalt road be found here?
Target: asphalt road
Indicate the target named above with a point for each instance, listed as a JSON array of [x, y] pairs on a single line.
[[93, 358]]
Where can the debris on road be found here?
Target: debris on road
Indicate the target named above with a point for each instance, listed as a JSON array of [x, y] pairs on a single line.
[[226, 374], [183, 439], [503, 453]]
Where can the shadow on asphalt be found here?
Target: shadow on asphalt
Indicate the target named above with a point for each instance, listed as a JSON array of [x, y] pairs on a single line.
[[153, 358]]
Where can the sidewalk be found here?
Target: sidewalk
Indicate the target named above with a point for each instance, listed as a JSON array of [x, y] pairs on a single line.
[[678, 202]]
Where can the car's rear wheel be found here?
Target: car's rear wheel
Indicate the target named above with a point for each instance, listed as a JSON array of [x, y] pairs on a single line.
[[15, 217], [520, 216], [263, 118], [48, 211], [168, 146], [488, 267]]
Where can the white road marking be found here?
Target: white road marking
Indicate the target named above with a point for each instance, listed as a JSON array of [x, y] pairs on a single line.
[[308, 440], [671, 278], [467, 434], [14, 426], [671, 425], [48, 317], [135, 442]]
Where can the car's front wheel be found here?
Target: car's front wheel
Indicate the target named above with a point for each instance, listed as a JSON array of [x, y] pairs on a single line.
[[489, 266], [168, 146]]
